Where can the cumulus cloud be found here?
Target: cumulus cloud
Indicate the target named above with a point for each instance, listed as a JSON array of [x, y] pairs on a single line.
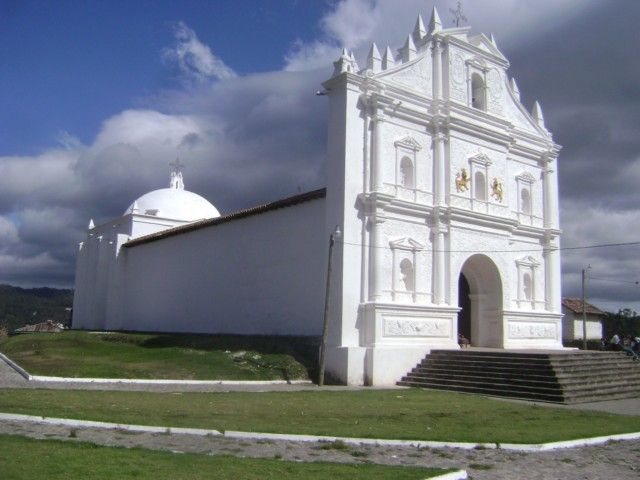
[[195, 60], [253, 138], [354, 24]]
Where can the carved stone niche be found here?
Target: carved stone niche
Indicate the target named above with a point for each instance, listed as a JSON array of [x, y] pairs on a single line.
[[407, 169], [527, 276], [479, 174], [406, 270], [524, 185]]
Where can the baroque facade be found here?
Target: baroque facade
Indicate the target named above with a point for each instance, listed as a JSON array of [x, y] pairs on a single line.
[[444, 189]]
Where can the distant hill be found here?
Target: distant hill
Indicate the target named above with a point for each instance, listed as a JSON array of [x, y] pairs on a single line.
[[22, 306]]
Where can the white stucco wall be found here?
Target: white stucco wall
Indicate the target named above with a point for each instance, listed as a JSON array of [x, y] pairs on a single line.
[[262, 274]]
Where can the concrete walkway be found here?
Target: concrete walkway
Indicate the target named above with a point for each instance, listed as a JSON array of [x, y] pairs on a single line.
[[614, 460]]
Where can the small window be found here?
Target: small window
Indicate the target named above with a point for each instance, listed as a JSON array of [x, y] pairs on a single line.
[[525, 201], [477, 92], [480, 187], [527, 287], [406, 270], [406, 173]]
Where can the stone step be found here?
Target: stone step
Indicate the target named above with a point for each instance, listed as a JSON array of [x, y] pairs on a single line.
[[496, 385], [626, 370], [581, 393], [526, 376], [479, 365], [549, 397], [568, 377], [542, 381], [512, 355], [566, 381]]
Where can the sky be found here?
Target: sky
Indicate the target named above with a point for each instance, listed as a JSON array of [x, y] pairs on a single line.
[[97, 98]]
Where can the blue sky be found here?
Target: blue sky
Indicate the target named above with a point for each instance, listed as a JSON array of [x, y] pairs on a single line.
[[68, 65], [96, 98]]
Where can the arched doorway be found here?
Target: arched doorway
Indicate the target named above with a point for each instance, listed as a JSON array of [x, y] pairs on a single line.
[[480, 301]]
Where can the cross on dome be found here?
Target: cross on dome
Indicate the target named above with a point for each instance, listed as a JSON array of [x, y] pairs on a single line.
[[176, 180]]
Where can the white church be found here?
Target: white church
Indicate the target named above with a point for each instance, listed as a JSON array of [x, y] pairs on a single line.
[[443, 189]]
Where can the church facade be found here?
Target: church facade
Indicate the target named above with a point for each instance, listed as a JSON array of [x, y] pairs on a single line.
[[443, 188]]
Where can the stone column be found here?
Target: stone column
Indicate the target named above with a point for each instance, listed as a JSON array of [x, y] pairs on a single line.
[[376, 282], [378, 157], [439, 166], [437, 69], [550, 187], [551, 242], [438, 280], [552, 274]]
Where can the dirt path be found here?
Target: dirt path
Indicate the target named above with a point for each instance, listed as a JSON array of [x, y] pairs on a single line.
[[614, 460]]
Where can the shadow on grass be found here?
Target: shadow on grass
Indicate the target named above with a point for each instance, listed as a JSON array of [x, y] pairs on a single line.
[[303, 349]]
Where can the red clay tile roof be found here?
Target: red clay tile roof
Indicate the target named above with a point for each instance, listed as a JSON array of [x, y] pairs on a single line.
[[575, 305], [209, 222]]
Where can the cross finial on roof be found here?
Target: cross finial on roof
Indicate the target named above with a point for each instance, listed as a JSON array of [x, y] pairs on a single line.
[[177, 166], [176, 175], [458, 14]]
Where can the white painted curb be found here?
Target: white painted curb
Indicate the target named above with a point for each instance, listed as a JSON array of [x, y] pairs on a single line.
[[457, 475], [144, 381], [152, 381], [355, 440], [519, 447], [68, 422], [581, 442], [15, 366]]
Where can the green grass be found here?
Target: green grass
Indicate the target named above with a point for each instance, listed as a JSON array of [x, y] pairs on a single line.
[[25, 459], [166, 356], [393, 414]]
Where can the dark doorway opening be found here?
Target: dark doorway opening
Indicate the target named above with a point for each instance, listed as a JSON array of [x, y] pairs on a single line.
[[464, 302]]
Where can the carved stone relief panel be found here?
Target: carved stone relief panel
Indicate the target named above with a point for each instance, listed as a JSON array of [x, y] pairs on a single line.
[[532, 330], [411, 327], [495, 92], [458, 85], [416, 77], [513, 113]]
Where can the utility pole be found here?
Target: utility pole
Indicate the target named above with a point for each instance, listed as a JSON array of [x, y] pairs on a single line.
[[325, 322], [584, 307]]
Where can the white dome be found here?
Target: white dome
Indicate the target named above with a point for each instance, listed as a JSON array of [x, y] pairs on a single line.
[[175, 204]]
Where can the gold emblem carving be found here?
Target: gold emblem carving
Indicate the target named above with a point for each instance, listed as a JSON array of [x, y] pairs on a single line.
[[462, 180], [497, 191]]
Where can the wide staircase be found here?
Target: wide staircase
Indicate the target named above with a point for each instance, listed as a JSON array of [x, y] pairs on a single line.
[[562, 377]]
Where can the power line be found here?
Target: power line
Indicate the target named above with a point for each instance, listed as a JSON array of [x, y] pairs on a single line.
[[533, 250], [613, 280]]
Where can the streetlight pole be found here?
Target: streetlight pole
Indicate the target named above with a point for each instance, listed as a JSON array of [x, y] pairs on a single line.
[[325, 321], [584, 307]]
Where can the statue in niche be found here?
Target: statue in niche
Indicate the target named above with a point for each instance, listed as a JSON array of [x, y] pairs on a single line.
[[462, 180], [406, 271], [497, 191]]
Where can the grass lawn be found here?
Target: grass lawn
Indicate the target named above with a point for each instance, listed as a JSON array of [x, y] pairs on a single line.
[[25, 459], [393, 414], [167, 356]]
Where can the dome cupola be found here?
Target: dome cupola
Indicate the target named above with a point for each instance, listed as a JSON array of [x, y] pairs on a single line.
[[174, 202]]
